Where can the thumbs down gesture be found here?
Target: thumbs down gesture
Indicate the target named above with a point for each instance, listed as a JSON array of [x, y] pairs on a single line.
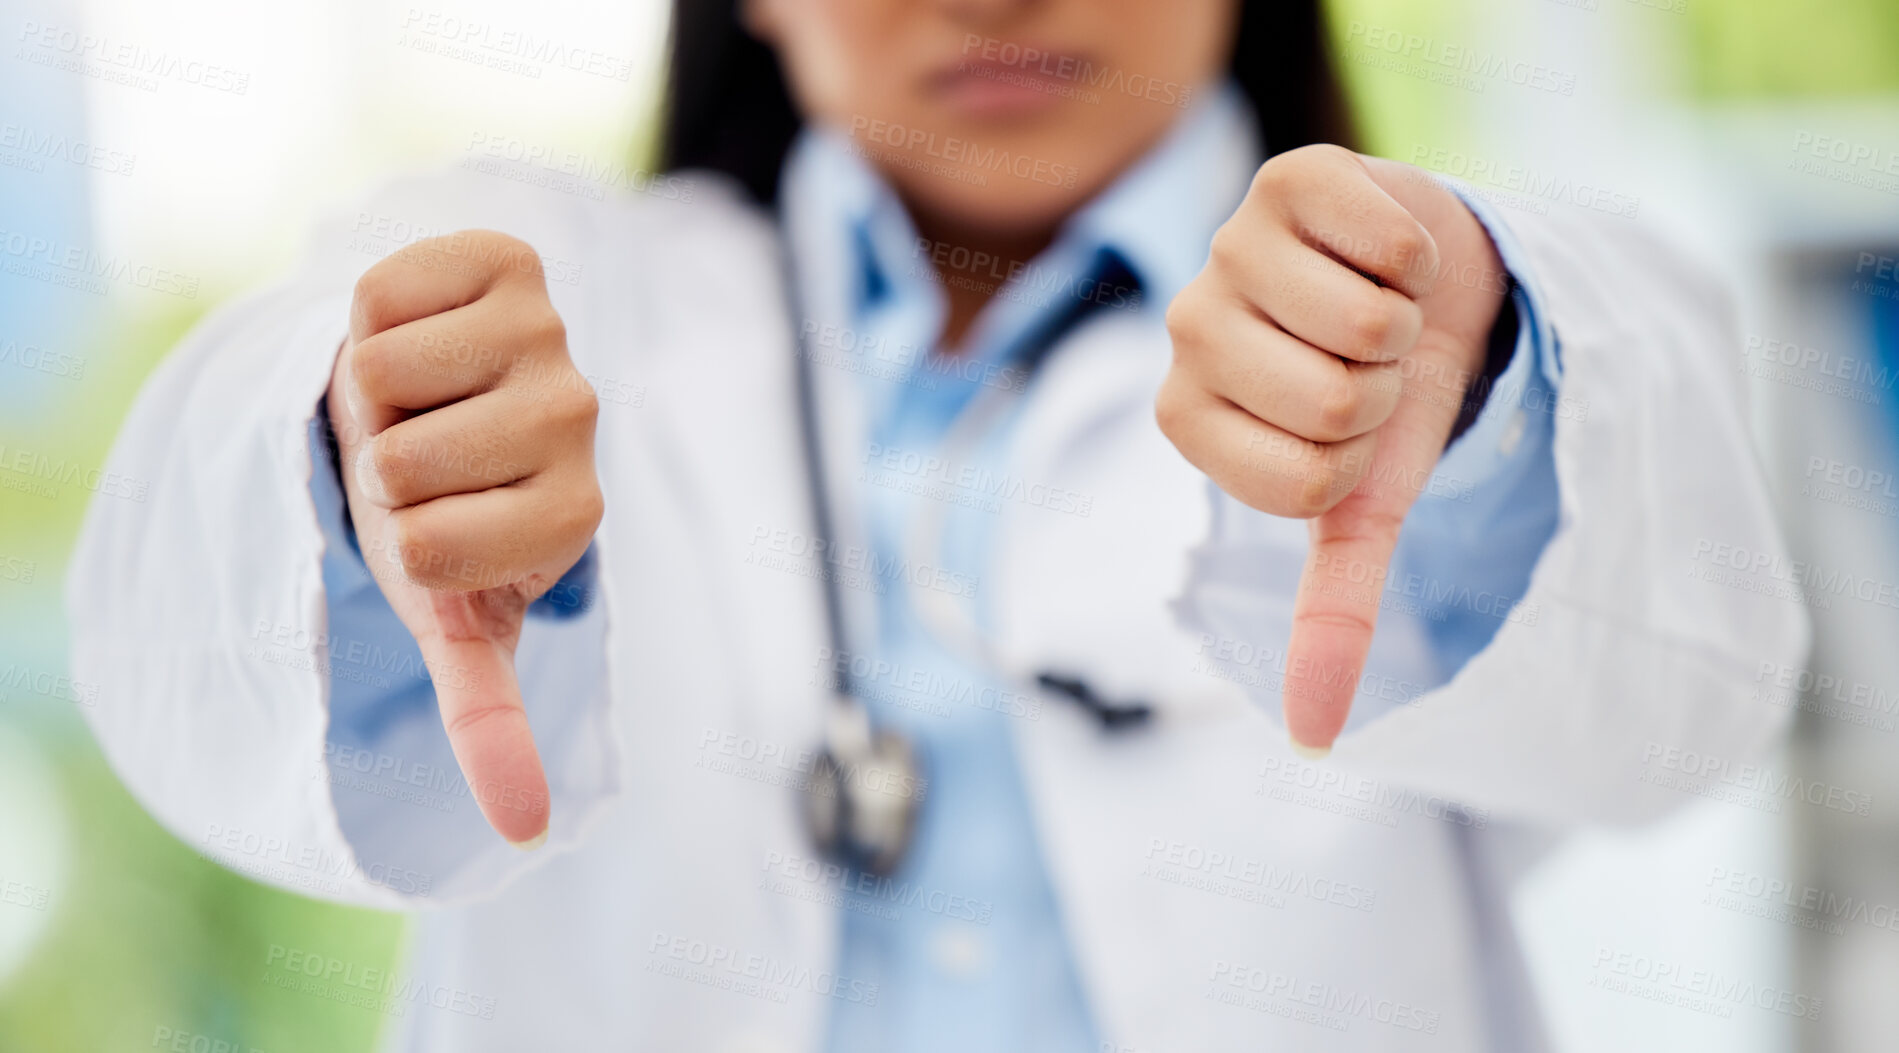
[[1321, 360], [465, 436]]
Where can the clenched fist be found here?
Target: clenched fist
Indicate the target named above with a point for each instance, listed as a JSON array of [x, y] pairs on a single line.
[[1320, 362], [465, 436]]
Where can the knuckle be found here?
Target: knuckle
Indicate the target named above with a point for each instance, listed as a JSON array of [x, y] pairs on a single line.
[[1408, 247], [550, 328], [1340, 410], [419, 548], [1323, 486], [432, 553], [1407, 318], [1314, 160], [1171, 408], [374, 365], [510, 254], [395, 472], [573, 521], [1189, 318], [373, 301], [1181, 313], [1285, 475], [575, 403], [1371, 326], [1271, 177], [589, 508], [1229, 250]]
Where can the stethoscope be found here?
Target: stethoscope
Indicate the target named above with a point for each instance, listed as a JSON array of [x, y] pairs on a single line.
[[866, 784]]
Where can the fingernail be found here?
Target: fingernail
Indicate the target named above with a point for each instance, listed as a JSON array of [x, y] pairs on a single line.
[[532, 843], [1310, 752]]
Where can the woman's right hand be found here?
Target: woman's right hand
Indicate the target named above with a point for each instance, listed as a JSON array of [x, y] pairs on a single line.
[[466, 443]]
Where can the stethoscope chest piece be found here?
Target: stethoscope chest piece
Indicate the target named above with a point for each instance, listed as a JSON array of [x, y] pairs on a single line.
[[865, 789]]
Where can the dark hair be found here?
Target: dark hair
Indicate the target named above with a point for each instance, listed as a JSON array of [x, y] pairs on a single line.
[[727, 108]]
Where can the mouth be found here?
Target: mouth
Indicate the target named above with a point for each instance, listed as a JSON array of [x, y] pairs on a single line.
[[1031, 81]]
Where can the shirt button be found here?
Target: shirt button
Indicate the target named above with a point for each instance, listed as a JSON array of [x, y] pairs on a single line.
[[1512, 434], [957, 952]]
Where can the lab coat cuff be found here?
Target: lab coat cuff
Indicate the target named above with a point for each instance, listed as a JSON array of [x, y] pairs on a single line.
[[1536, 336], [1520, 405]]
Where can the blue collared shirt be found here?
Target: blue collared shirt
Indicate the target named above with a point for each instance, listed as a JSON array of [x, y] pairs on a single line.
[[966, 941], [996, 973]]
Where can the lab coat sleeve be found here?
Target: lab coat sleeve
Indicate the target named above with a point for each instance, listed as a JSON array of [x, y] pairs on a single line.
[[1625, 677], [201, 612]]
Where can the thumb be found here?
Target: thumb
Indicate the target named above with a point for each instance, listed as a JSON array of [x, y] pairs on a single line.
[[468, 641], [1349, 557]]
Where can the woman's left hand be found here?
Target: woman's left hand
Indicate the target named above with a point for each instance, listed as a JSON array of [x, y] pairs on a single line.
[[1320, 362]]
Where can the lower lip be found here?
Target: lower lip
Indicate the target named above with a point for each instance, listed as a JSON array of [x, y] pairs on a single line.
[[1000, 91]]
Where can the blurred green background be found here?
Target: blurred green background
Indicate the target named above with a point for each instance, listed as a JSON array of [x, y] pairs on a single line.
[[136, 932]]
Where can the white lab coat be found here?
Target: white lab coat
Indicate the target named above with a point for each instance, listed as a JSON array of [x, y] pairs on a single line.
[[1383, 870]]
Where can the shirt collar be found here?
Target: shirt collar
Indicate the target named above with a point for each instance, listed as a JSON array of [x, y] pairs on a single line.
[[854, 245]]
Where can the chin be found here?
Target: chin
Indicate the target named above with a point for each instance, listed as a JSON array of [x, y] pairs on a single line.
[[1002, 203]]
